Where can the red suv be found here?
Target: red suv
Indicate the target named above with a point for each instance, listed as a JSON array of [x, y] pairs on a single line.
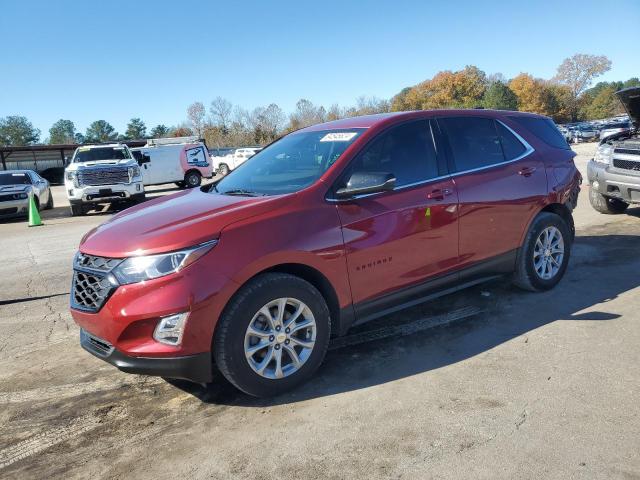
[[326, 228]]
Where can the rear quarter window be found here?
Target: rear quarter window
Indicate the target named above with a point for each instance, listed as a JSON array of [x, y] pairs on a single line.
[[544, 129]]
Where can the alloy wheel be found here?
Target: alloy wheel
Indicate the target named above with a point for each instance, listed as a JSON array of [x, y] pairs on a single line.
[[548, 253], [280, 338]]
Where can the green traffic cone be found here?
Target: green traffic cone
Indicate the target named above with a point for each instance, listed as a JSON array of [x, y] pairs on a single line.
[[34, 215]]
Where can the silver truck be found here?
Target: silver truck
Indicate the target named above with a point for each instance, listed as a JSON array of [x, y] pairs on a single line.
[[614, 171]]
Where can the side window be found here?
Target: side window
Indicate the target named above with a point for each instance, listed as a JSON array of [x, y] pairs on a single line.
[[511, 146], [473, 140], [406, 151], [544, 129]]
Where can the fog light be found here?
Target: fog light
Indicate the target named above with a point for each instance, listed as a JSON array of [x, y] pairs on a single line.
[[170, 329]]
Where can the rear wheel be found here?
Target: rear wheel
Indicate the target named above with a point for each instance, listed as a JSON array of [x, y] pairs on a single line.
[[544, 256], [273, 334], [606, 205], [193, 179]]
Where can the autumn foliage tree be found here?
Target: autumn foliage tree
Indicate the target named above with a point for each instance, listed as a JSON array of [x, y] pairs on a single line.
[[447, 89]]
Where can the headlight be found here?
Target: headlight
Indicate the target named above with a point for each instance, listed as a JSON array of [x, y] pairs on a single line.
[[134, 172], [139, 269], [20, 196], [604, 154], [72, 176]]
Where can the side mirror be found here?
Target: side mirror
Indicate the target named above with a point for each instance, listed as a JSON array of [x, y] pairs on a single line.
[[144, 159], [362, 183], [66, 160]]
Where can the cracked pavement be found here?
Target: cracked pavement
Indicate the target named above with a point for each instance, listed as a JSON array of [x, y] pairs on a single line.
[[487, 383]]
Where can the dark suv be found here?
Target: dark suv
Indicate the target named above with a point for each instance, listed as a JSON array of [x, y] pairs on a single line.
[[328, 227]]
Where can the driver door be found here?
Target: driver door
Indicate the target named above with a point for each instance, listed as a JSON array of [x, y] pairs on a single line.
[[399, 240]]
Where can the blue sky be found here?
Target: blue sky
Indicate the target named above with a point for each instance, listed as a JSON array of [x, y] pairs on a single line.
[[112, 60]]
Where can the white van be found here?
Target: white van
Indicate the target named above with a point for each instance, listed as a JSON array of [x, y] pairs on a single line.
[[183, 161]]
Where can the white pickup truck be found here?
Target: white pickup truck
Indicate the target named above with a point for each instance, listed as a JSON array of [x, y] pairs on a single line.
[[102, 174]]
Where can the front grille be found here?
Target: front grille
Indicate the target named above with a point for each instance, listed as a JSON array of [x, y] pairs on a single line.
[[626, 164], [103, 176], [90, 291], [102, 264], [627, 151], [8, 211]]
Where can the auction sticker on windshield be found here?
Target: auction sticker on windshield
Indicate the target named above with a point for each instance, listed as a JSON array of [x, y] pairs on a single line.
[[338, 136]]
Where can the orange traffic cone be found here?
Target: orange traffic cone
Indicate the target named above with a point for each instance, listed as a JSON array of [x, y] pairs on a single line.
[[34, 215]]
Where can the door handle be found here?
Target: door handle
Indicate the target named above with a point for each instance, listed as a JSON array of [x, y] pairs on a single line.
[[526, 171], [439, 194]]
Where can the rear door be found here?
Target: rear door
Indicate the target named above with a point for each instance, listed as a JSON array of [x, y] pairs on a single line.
[[399, 239], [501, 184]]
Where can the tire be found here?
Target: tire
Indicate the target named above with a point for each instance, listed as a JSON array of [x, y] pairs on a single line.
[[49, 205], [244, 308], [224, 169], [526, 275], [192, 179], [77, 210], [606, 205]]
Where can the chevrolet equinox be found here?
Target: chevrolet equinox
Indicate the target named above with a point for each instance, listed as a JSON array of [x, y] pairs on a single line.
[[328, 227]]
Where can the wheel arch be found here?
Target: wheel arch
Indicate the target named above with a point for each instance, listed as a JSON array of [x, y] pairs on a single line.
[[557, 208], [310, 274], [190, 170], [563, 212]]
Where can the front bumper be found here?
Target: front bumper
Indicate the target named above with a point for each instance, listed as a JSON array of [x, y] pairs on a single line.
[[104, 193], [195, 368], [614, 182], [14, 208]]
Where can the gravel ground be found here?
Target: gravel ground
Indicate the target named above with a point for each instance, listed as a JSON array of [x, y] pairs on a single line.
[[487, 383]]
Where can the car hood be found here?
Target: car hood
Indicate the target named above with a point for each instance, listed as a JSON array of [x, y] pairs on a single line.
[[630, 98], [15, 188], [103, 163], [172, 222]]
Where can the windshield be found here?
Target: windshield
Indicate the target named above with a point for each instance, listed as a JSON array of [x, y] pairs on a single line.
[[288, 165], [14, 179], [84, 154]]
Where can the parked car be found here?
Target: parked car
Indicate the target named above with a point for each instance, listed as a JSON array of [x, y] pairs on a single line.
[[102, 174], [15, 188], [613, 128], [183, 161], [585, 133], [231, 161], [330, 226], [566, 133], [614, 172]]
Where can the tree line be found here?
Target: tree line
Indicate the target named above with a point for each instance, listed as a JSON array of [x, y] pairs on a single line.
[[568, 96]]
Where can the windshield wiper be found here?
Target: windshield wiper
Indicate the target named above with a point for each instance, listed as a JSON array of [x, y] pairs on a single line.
[[242, 192]]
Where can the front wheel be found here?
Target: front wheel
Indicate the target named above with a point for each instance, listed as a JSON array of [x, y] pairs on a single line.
[[77, 210], [224, 169], [544, 256], [606, 205], [273, 335]]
